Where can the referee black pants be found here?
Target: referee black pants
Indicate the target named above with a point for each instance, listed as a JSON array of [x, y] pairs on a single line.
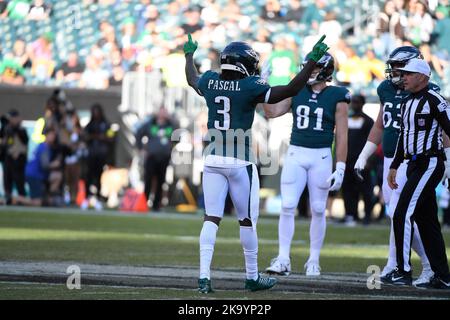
[[418, 203]]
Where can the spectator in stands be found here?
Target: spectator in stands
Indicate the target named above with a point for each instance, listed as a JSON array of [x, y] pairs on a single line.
[[3, 5], [263, 46], [282, 63], [129, 36], [69, 74], [420, 24], [107, 41], [172, 18], [210, 13], [94, 77], [433, 61], [37, 171], [192, 22], [150, 14], [375, 67], [39, 10], [294, 13], [98, 137], [153, 140], [41, 55], [331, 27], [313, 15], [20, 54], [115, 80], [359, 125], [211, 62], [13, 145], [441, 33], [352, 70], [17, 9], [390, 27], [272, 11], [11, 72]]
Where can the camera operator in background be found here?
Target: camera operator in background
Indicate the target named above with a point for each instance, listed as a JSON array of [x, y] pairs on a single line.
[[14, 145]]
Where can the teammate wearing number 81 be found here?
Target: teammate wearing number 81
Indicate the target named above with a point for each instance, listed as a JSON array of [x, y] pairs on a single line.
[[231, 97], [317, 110]]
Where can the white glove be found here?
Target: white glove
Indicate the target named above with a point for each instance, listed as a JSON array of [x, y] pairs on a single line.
[[337, 176], [366, 152], [447, 168]]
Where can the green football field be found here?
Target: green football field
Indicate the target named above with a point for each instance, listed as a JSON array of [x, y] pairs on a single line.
[[163, 239]]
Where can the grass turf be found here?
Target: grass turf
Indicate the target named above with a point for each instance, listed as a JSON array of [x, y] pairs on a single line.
[[173, 240]]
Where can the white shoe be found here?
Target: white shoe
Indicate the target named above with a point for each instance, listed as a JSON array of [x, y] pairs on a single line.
[[279, 267], [386, 270], [425, 277], [98, 206], [85, 204], [350, 222], [312, 269]]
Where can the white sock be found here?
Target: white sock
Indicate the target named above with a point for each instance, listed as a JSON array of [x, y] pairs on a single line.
[[249, 241], [317, 231], [417, 246], [286, 229], [392, 258], [207, 241]]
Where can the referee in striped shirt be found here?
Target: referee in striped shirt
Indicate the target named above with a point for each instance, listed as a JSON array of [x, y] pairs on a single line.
[[424, 113]]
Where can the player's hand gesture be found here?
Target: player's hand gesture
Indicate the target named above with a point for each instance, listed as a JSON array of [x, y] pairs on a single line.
[[319, 50], [190, 46]]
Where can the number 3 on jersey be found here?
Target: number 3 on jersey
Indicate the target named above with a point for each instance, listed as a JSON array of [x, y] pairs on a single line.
[[225, 101], [303, 117]]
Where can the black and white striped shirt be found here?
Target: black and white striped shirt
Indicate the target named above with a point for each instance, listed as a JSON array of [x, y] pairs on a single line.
[[424, 115]]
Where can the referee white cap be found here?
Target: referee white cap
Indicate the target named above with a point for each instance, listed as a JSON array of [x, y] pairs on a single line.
[[417, 65]]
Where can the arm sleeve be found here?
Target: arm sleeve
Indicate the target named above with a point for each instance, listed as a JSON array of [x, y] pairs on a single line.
[[442, 111]]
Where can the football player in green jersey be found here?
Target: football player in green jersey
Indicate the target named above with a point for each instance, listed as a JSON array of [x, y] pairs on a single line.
[[386, 130], [318, 109], [231, 98]]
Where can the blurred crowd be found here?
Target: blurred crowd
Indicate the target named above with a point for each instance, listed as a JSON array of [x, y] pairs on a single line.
[[149, 36], [65, 152]]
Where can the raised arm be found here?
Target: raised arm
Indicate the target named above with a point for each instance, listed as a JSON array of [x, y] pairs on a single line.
[[279, 93], [190, 70], [277, 109]]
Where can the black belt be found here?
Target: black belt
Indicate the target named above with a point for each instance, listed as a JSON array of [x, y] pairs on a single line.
[[425, 155]]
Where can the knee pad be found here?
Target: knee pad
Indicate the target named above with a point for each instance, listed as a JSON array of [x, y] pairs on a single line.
[[318, 208]]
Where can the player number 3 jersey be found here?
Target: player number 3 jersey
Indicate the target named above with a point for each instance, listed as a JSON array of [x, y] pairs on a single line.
[[231, 110]]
